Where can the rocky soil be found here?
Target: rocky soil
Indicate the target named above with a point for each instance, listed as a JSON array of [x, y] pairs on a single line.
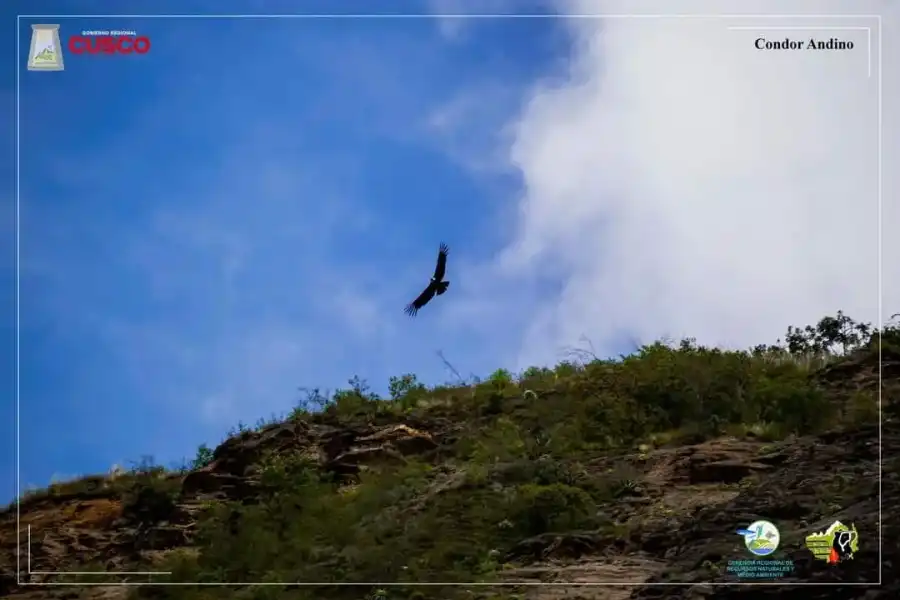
[[678, 517]]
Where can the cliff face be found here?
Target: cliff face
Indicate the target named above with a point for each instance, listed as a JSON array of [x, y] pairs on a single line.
[[469, 485]]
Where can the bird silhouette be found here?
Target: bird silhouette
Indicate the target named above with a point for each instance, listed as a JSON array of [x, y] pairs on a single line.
[[436, 286]]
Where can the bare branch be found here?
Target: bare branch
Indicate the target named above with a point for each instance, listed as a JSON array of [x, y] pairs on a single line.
[[451, 367], [580, 356]]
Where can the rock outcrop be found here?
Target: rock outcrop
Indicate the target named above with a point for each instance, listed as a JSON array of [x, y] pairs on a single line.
[[673, 523]]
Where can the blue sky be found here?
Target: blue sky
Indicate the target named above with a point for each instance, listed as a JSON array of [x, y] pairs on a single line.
[[247, 208], [244, 210]]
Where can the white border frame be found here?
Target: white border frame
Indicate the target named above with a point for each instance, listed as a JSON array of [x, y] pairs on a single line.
[[486, 16]]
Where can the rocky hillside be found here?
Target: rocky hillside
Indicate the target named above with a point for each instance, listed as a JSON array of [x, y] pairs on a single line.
[[634, 472]]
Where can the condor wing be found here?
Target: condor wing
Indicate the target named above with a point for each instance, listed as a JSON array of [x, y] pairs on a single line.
[[427, 294], [441, 267]]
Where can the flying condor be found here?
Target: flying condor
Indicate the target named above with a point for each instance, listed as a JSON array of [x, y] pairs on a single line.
[[436, 286]]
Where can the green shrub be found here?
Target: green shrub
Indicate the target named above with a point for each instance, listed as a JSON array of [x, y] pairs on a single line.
[[501, 378], [536, 509], [150, 498], [863, 407], [406, 391], [203, 458]]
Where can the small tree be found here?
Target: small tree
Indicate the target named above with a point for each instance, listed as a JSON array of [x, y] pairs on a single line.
[[832, 335], [203, 458], [406, 390]]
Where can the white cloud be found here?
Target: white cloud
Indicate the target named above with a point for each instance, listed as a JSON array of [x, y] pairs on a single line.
[[450, 25], [683, 183], [465, 126], [450, 15]]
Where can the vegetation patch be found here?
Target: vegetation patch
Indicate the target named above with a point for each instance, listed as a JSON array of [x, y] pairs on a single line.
[[545, 458]]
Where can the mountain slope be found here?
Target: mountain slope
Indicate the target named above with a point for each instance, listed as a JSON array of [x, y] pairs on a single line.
[[635, 471]]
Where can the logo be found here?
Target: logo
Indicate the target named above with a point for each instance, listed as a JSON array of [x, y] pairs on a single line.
[[109, 42], [46, 50], [836, 544], [761, 538]]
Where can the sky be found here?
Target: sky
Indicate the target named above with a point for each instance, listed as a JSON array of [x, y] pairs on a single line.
[[246, 209]]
